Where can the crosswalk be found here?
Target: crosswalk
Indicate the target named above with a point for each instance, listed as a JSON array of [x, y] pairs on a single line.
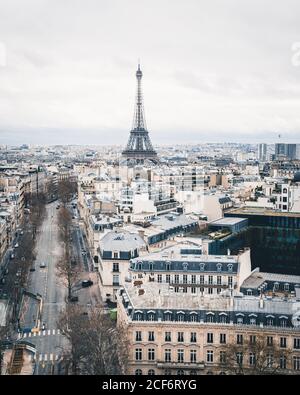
[[49, 332], [45, 357]]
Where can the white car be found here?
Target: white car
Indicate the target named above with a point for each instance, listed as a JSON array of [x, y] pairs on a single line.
[[42, 265]]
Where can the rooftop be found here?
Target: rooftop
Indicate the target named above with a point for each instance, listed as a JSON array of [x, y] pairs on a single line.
[[121, 240], [257, 278], [228, 221], [260, 211]]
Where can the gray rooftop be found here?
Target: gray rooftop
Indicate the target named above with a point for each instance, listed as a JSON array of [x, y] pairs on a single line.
[[121, 240], [228, 221], [258, 278]]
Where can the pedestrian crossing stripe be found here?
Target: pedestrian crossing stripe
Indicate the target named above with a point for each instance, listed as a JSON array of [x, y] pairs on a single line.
[[45, 357], [49, 332]]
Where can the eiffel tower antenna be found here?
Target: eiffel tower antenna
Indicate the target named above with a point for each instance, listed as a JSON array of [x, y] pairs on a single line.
[[139, 146]]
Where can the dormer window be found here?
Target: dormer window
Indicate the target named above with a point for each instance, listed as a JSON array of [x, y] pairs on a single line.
[[140, 266], [229, 267], [185, 265], [202, 266], [151, 266], [168, 265], [151, 317], [219, 267]]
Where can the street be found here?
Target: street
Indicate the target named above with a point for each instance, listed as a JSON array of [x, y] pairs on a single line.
[[49, 342]]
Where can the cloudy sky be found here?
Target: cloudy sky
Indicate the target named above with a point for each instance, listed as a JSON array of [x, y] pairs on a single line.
[[214, 70]]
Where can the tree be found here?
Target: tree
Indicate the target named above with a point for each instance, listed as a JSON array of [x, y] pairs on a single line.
[[66, 190], [64, 267], [254, 358], [96, 346]]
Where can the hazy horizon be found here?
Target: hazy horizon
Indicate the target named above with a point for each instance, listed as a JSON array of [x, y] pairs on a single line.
[[212, 70]]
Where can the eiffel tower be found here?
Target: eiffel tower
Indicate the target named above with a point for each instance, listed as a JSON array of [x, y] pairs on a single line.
[[139, 147]]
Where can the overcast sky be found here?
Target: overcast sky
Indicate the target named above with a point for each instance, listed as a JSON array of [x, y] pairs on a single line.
[[213, 70]]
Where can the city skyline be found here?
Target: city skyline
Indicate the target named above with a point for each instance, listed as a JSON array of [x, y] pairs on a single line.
[[72, 82]]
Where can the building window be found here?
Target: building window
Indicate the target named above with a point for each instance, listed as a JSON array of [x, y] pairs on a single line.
[[193, 373], [138, 354], [180, 317], [202, 266], [296, 363], [270, 341], [168, 278], [276, 286], [210, 338], [239, 339], [270, 321], [252, 339], [201, 279], [180, 337], [151, 354], [209, 356], [230, 266], [210, 318], [223, 319], [168, 317], [283, 322], [240, 320], [139, 316], [151, 317], [193, 337], [210, 280], [151, 372], [270, 360], [210, 291], [230, 281], [115, 267], [252, 321], [282, 361], [168, 355], [193, 317], [223, 338], [193, 356], [176, 280], [168, 266], [180, 372], [219, 280], [222, 357], [168, 372], [151, 336], [193, 290], [116, 279], [219, 267], [180, 355], [193, 279], [283, 342], [138, 372], [219, 290], [184, 279], [239, 358], [159, 278], [297, 343], [251, 358], [138, 336], [167, 336]]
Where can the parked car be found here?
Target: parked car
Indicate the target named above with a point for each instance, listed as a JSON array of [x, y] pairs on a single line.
[[32, 269], [86, 283], [16, 245], [42, 265]]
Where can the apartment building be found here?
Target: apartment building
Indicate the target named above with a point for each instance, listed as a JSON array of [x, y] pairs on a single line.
[[182, 334]]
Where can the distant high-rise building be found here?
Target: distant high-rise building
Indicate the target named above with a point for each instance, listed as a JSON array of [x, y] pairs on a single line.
[[286, 151], [262, 152], [139, 147]]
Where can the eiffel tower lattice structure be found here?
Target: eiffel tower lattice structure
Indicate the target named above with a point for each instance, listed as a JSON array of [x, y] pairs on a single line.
[[139, 147]]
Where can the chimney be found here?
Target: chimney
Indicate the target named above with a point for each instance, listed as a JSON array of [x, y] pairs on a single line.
[[261, 302], [142, 233], [141, 292], [231, 302]]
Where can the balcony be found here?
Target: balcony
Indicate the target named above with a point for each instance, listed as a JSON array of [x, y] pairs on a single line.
[[180, 365], [116, 283]]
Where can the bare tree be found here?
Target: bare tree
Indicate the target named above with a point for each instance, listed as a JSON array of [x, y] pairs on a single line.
[[97, 347], [66, 190], [65, 269], [254, 358]]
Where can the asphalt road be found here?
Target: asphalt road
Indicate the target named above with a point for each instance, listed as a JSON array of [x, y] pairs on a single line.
[[49, 342]]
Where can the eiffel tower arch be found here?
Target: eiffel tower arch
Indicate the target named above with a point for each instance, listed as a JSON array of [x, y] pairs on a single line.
[[139, 147]]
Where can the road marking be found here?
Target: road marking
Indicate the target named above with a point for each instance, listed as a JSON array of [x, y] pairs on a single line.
[[46, 357], [51, 357], [53, 332], [34, 334], [58, 331], [49, 331], [56, 357], [29, 334], [19, 336], [24, 335], [44, 333], [39, 333], [40, 357]]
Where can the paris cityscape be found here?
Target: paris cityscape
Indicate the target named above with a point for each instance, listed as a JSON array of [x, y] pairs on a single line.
[[168, 247]]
